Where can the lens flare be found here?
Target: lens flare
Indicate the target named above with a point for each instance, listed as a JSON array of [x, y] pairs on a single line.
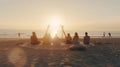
[[17, 57]]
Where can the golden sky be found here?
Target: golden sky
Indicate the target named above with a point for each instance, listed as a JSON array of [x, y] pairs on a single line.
[[89, 15]]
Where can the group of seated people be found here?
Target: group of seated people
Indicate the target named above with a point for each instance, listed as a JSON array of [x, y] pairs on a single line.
[[68, 40], [76, 39]]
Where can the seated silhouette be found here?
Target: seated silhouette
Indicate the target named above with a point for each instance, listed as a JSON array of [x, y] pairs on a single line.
[[34, 39], [68, 39], [76, 39], [86, 39], [47, 39]]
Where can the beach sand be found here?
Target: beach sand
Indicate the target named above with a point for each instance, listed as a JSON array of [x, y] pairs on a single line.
[[105, 53]]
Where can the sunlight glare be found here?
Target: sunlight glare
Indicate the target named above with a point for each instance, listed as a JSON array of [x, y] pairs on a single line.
[[54, 26]]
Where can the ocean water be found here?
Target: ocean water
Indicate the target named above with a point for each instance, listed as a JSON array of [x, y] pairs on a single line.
[[40, 34]]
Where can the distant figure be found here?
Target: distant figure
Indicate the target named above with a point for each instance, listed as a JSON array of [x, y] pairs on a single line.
[[34, 39], [86, 38], [68, 39], [109, 34], [76, 39], [47, 39], [19, 35], [103, 34]]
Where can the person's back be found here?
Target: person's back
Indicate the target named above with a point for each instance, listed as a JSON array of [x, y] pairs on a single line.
[[76, 39], [34, 39], [68, 39], [86, 38]]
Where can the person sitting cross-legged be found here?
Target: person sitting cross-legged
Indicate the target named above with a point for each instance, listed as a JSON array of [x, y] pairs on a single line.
[[76, 39], [86, 39], [69, 39], [34, 39]]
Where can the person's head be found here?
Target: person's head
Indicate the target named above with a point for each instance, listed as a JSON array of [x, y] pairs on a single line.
[[68, 34], [86, 33], [33, 33], [76, 34]]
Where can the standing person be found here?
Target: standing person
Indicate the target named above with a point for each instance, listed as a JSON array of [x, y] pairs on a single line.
[[76, 39], [109, 34], [86, 38], [68, 39], [19, 35], [103, 34]]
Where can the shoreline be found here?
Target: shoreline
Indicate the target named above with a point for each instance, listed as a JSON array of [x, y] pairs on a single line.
[[92, 40]]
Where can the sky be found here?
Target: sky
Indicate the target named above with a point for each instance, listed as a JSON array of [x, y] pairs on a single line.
[[77, 15]]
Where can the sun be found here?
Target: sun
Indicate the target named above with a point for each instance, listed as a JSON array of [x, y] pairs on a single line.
[[54, 26]]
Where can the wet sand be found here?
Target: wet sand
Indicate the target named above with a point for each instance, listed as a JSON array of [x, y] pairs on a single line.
[[105, 53]]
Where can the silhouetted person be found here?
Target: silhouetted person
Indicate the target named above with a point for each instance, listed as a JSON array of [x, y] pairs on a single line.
[[86, 39], [34, 39], [109, 34], [68, 39], [76, 39], [19, 35], [103, 34], [47, 39]]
